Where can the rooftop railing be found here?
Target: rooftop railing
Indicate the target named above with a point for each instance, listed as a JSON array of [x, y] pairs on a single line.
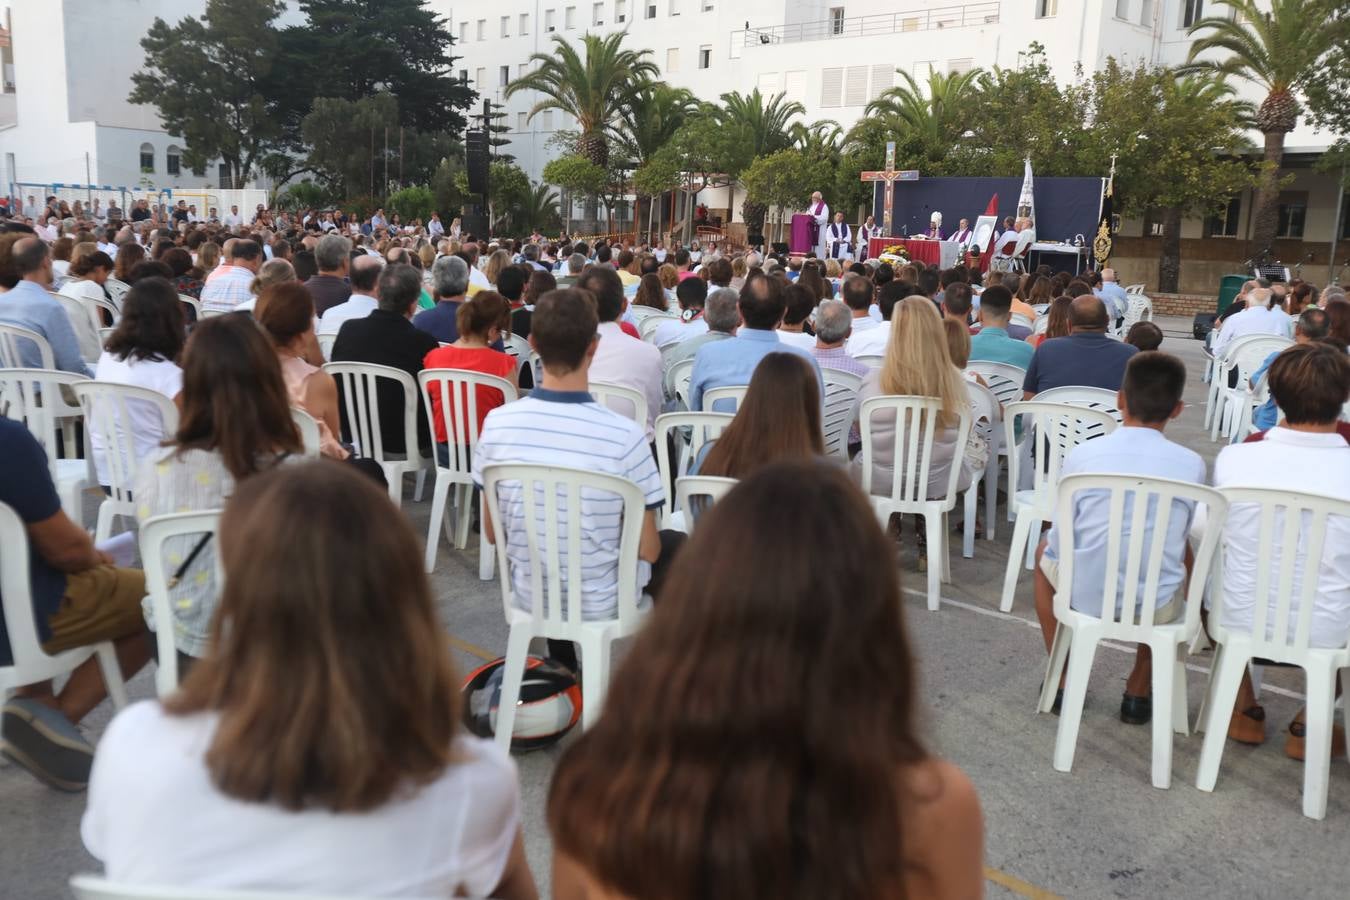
[[963, 15]]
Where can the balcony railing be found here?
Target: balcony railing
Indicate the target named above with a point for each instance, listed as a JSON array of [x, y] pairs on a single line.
[[964, 15]]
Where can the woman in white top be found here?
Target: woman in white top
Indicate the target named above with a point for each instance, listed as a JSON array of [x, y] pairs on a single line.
[[318, 749], [88, 273], [143, 352]]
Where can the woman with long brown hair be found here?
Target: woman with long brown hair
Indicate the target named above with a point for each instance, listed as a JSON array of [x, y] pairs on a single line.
[[1057, 321], [317, 748], [778, 419], [760, 739], [235, 421], [650, 296], [128, 256]]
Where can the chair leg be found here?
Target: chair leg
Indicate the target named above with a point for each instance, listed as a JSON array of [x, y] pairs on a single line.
[[103, 528], [1181, 720], [972, 505], [1021, 534], [1223, 694], [513, 675], [393, 473], [594, 678], [1054, 667], [1320, 715], [1033, 539], [1084, 648], [1345, 704], [933, 528], [946, 557], [991, 500], [463, 515], [438, 498], [421, 483], [1164, 707], [112, 675], [487, 560]]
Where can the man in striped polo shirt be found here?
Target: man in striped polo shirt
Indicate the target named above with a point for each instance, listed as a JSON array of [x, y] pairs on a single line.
[[560, 424]]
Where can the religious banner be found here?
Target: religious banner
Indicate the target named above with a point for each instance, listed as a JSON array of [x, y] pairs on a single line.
[[1101, 244]]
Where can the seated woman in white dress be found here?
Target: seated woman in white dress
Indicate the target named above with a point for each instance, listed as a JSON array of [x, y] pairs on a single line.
[[317, 749]]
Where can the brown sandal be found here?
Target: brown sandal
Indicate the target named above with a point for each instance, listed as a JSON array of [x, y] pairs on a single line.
[[1248, 726], [1295, 744]]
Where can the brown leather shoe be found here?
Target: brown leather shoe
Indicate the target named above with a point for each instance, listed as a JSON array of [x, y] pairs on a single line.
[[1248, 726], [1295, 743]]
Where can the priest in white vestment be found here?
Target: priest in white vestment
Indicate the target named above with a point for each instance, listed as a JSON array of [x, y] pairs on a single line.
[[820, 220], [866, 231], [839, 239]]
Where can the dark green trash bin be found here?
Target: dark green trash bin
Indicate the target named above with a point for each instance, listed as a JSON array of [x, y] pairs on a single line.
[[1228, 289]]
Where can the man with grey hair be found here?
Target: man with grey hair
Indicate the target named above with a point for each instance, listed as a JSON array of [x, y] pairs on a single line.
[[332, 254], [575, 264], [365, 274], [1257, 318], [834, 326], [449, 282], [722, 315]]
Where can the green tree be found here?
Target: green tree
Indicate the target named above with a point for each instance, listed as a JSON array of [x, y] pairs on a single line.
[[1329, 94], [538, 209], [784, 179], [934, 119], [765, 127], [707, 154], [576, 173], [413, 202], [1282, 52], [652, 179], [346, 141], [216, 82], [351, 49], [646, 124], [592, 87], [446, 187]]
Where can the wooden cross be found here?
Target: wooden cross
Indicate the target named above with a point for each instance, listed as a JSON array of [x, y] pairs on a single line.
[[890, 175]]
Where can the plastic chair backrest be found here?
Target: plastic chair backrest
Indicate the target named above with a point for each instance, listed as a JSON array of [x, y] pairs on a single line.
[[985, 411], [1248, 356], [652, 321], [1090, 397], [1025, 238], [326, 342], [1285, 587], [625, 401], [916, 428], [78, 311], [359, 383], [92, 887], [196, 307], [679, 377], [516, 346], [309, 430], [18, 344], [1058, 428], [457, 391], [840, 409], [733, 392], [1042, 325], [107, 412], [871, 360], [157, 561], [1023, 320], [16, 593], [552, 497], [689, 489], [116, 289], [1134, 288], [1004, 380], [1133, 569], [33, 397], [691, 431]]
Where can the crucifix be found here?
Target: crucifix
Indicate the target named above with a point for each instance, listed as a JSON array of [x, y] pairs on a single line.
[[890, 175]]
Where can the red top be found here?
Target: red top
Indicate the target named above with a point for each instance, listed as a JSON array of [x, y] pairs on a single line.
[[474, 359], [628, 329]]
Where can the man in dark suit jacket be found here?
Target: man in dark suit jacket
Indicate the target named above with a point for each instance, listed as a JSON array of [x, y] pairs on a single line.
[[387, 338]]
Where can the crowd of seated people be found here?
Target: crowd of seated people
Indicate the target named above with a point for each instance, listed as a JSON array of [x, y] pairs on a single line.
[[344, 749]]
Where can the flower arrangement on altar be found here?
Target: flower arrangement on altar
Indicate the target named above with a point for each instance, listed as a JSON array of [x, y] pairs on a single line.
[[895, 253]]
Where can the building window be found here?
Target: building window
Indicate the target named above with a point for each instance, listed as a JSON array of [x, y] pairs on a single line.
[[480, 78], [1293, 211], [672, 60], [173, 161], [1191, 12], [223, 177], [147, 158], [1123, 9], [597, 13], [463, 32], [831, 88], [836, 20], [960, 66], [1146, 13], [1046, 8], [651, 10], [1345, 218], [482, 29], [548, 120], [569, 17], [506, 26], [522, 121], [505, 76], [674, 7], [707, 5], [521, 69], [704, 56], [548, 20], [524, 24], [1225, 224], [620, 11], [464, 75]]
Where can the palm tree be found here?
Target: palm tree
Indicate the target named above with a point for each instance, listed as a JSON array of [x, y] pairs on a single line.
[[1278, 51], [539, 209], [821, 139], [937, 118], [648, 122], [767, 126], [592, 88]]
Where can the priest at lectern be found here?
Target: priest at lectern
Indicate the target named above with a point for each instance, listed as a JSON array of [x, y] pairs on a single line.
[[820, 218]]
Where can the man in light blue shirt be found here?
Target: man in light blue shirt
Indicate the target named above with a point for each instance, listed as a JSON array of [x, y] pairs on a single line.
[[1113, 295], [732, 362], [1312, 325], [1149, 398], [28, 305], [992, 343]]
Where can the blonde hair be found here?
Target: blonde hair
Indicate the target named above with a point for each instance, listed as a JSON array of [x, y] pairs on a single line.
[[833, 269], [917, 360], [499, 260], [739, 267], [274, 271], [669, 275]]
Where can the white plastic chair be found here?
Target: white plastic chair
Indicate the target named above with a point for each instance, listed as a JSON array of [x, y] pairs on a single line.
[[677, 381], [1139, 309], [1216, 375], [309, 430], [648, 324], [840, 410], [1023, 320], [691, 430], [732, 392], [116, 290], [518, 347], [1025, 238], [457, 391], [986, 416], [1005, 247], [916, 427], [872, 360], [14, 340], [1255, 397], [1134, 288], [154, 534], [1003, 379], [1135, 589], [326, 342], [1244, 356], [92, 887], [1087, 397], [31, 664], [196, 306], [1056, 428], [1042, 324], [623, 400], [1286, 600], [107, 413], [359, 383], [33, 397], [88, 309], [690, 487], [550, 498]]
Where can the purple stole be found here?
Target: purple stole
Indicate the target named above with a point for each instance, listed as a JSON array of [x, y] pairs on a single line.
[[935, 232], [815, 229]]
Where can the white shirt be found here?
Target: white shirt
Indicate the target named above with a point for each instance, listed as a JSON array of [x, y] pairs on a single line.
[[147, 432], [155, 817], [677, 331], [798, 339], [435, 228], [1125, 451], [1294, 461], [869, 340], [476, 277], [1252, 320], [357, 306], [233, 220], [623, 360]]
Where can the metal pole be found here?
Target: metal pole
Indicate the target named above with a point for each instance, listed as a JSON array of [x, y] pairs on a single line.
[[1336, 226], [89, 182], [400, 156], [385, 186]]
